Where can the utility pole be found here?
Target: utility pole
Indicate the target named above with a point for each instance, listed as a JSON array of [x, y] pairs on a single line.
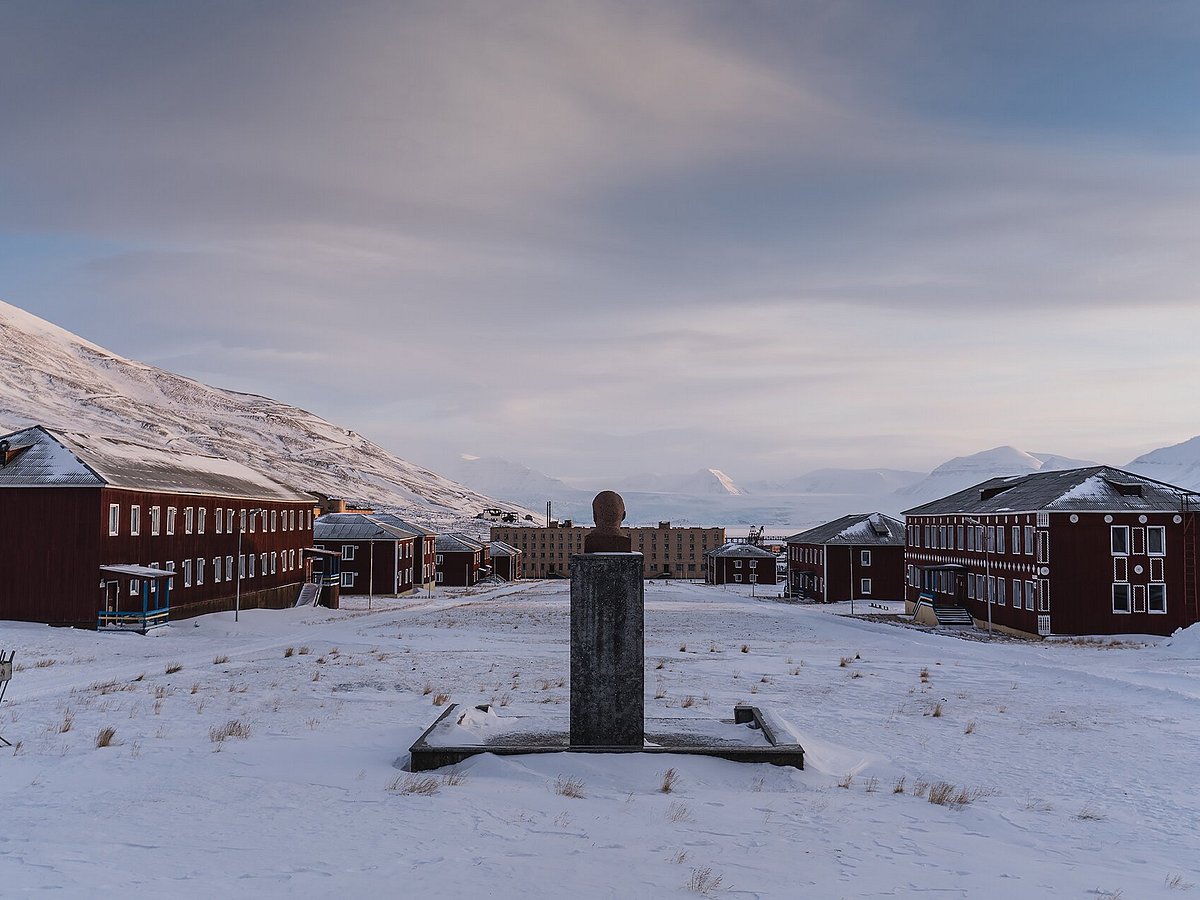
[[851, 579], [371, 575]]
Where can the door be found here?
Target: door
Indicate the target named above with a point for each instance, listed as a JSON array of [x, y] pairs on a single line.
[[112, 593]]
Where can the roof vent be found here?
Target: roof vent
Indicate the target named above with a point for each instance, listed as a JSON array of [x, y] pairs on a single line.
[[1125, 488], [988, 493], [4, 445], [879, 528]]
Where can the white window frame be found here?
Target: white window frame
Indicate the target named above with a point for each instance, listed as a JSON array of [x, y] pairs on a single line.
[[201, 519], [135, 520], [1043, 546], [217, 569], [1123, 589], [199, 571], [219, 520], [155, 520], [864, 586], [172, 512], [347, 579], [1161, 531], [1152, 589], [1029, 540], [864, 558], [439, 559], [440, 576], [1113, 531], [737, 579], [114, 519], [189, 519], [187, 573], [1030, 594], [348, 551]]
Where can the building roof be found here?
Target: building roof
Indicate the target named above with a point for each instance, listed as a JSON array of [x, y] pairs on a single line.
[[741, 550], [38, 457], [858, 529], [358, 527], [1092, 489], [389, 519], [499, 548], [453, 543]]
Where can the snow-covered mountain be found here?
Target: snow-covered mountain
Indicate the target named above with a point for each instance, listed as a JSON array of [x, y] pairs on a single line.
[[513, 481], [51, 377], [1178, 464], [964, 471], [701, 483], [871, 482]]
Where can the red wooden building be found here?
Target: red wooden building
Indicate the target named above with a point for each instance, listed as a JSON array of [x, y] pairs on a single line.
[[459, 560], [73, 504], [1084, 551], [861, 553], [740, 564], [378, 555]]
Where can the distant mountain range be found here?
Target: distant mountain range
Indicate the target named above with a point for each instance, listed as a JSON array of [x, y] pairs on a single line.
[[51, 377]]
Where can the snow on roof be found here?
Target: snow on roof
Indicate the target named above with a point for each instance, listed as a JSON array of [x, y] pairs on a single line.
[[358, 527], [1096, 489], [450, 543], [499, 548], [72, 459], [735, 549], [857, 528]]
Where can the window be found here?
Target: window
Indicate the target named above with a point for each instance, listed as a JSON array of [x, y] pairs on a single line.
[[737, 578], [155, 520], [1158, 599], [114, 519], [864, 558], [865, 585], [189, 519], [439, 559], [219, 520], [754, 563], [1029, 540], [1030, 595], [1000, 539], [229, 568], [201, 515], [1016, 593], [1120, 598], [439, 578], [171, 511], [187, 573], [1016, 539], [991, 538], [960, 543], [200, 570], [216, 570], [133, 587], [250, 559], [1120, 540], [348, 551], [291, 559], [970, 538], [347, 579], [229, 521], [274, 562], [252, 515], [1043, 520], [1156, 540], [971, 586], [1000, 586], [171, 581], [135, 520], [274, 520], [737, 563], [262, 563]]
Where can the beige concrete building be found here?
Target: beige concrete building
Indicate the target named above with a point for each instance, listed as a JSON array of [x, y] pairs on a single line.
[[669, 552]]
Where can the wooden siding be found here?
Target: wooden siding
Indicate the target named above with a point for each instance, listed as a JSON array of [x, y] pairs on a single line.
[[396, 566], [459, 568], [725, 570]]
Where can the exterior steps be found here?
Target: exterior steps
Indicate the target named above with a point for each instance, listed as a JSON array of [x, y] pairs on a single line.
[[953, 615], [309, 594]]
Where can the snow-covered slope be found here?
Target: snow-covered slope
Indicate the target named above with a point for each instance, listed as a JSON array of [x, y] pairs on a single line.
[[964, 471], [841, 481], [1178, 464], [701, 483], [51, 377]]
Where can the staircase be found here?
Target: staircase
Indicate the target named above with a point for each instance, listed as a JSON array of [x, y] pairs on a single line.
[[949, 614], [309, 594]]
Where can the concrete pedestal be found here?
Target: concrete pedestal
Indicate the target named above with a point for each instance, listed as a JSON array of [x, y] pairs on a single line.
[[607, 650]]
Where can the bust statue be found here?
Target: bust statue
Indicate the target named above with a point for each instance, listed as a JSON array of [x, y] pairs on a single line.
[[608, 511]]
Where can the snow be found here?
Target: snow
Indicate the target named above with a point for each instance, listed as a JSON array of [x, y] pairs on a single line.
[[1184, 641], [1081, 758]]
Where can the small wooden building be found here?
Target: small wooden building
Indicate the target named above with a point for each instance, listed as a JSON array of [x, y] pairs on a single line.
[[740, 564], [459, 559], [862, 553], [378, 557], [75, 508], [1084, 551], [507, 561]]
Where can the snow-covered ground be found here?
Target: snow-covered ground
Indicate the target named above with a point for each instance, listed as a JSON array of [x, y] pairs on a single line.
[[1080, 761]]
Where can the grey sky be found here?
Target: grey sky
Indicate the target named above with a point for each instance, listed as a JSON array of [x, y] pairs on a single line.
[[603, 238]]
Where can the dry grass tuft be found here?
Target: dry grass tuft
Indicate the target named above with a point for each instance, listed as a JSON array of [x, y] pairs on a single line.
[[920, 787], [569, 787], [288, 652], [440, 699], [687, 701], [174, 667], [1090, 813], [220, 659], [745, 648], [683, 648], [970, 729], [898, 785], [234, 728], [872, 785], [856, 675], [1176, 882], [454, 778], [660, 690], [936, 712], [678, 858], [670, 779], [845, 661], [415, 784], [44, 663], [661, 664], [704, 881], [304, 651], [847, 780], [427, 690], [925, 673], [678, 812], [68, 721], [105, 737]]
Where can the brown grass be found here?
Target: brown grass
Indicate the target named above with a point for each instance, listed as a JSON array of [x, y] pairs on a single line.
[[670, 779], [569, 787], [454, 778], [288, 652], [678, 812], [687, 701], [936, 712], [415, 784], [234, 728], [847, 780], [745, 648], [440, 699], [174, 667], [68, 721], [898, 785], [970, 729], [304, 651], [704, 881], [845, 661], [105, 737], [220, 659], [872, 785]]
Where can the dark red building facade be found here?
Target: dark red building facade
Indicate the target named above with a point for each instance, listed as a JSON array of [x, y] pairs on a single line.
[[71, 503], [459, 560], [380, 554], [860, 554], [741, 564], [1078, 552]]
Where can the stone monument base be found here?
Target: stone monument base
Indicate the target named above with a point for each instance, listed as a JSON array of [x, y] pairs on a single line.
[[752, 735]]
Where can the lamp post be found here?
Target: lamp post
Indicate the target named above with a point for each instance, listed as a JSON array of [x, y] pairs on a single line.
[[987, 567], [851, 579], [237, 592]]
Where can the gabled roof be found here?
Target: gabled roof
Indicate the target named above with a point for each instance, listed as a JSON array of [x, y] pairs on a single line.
[[1091, 489], [452, 543], [358, 527], [389, 519], [857, 528], [499, 548], [732, 549], [39, 457]]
